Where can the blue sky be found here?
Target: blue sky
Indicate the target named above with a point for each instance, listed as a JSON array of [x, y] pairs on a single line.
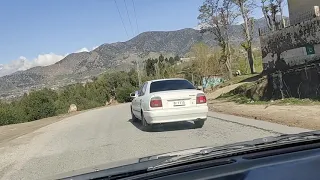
[[40, 27]]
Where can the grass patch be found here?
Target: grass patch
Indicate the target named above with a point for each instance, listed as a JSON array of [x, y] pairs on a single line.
[[255, 92], [241, 99], [296, 101]]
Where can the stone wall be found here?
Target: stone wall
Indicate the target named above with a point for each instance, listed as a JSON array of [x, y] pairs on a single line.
[[292, 46], [303, 82]]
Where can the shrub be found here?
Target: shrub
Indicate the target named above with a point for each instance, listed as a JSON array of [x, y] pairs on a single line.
[[39, 104], [123, 94]]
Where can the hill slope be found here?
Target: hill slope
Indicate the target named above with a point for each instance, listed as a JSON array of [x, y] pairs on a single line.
[[79, 66]]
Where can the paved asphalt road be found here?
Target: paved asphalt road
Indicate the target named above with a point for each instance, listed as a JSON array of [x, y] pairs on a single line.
[[107, 134]]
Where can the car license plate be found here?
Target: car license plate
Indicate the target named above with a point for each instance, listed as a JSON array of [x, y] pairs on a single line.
[[179, 103]]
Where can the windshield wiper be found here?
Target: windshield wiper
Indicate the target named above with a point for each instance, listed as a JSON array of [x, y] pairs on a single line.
[[178, 159], [305, 136], [238, 147]]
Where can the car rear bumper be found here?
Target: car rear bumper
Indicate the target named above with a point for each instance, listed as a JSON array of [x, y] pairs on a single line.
[[176, 115]]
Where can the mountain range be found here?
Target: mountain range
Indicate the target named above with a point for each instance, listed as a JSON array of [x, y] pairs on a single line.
[[77, 67]]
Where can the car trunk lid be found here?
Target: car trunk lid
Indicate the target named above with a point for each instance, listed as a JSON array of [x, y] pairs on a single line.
[[178, 98]]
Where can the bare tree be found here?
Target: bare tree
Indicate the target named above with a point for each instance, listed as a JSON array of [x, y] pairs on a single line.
[[246, 7], [265, 11], [280, 4], [270, 9], [218, 16]]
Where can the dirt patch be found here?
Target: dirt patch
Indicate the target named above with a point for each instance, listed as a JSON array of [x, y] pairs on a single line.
[[307, 117], [215, 94]]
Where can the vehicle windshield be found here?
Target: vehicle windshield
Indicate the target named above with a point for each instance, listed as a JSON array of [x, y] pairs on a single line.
[[167, 85], [85, 83]]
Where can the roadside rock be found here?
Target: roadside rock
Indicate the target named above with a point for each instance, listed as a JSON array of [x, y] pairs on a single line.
[[109, 102], [72, 108]]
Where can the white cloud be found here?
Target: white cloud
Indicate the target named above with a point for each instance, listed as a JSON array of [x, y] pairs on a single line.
[[47, 59], [86, 49], [22, 63], [202, 26], [83, 50]]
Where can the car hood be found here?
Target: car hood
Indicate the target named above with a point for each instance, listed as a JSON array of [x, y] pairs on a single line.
[[123, 165]]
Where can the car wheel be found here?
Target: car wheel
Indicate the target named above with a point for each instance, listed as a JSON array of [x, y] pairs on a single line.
[[145, 125], [133, 117], [199, 123]]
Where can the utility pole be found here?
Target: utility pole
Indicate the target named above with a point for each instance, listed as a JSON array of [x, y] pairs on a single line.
[[138, 71]]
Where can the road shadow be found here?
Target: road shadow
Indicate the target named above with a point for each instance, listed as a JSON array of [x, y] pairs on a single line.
[[176, 126]]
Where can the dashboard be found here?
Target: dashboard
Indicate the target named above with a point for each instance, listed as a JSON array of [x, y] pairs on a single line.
[[298, 163], [288, 162]]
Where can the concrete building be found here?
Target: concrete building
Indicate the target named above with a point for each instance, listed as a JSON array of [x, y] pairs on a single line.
[[291, 56], [302, 10], [295, 44]]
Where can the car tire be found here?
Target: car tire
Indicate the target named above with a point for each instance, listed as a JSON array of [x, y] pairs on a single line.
[[133, 117], [199, 123], [145, 125]]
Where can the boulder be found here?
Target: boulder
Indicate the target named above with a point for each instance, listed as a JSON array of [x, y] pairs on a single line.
[[109, 102], [72, 108]]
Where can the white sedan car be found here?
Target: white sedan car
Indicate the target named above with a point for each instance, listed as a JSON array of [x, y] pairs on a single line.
[[169, 100]]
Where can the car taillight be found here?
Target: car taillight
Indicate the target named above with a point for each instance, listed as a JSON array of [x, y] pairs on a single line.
[[155, 102], [201, 99]]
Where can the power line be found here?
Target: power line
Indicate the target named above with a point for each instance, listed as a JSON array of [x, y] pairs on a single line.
[[136, 62], [121, 18], [128, 16], [135, 16]]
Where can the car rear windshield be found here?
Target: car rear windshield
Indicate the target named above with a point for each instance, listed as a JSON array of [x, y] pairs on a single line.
[[168, 85]]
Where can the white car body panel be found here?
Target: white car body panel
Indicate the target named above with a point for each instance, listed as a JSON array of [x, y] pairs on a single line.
[[176, 115], [177, 105]]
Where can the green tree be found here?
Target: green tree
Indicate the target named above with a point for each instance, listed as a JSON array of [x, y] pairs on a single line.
[[171, 60], [124, 92], [45, 103], [176, 58], [161, 58], [133, 76], [150, 67], [39, 104]]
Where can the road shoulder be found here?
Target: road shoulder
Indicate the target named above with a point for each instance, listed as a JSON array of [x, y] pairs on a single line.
[[304, 117], [13, 131], [259, 124]]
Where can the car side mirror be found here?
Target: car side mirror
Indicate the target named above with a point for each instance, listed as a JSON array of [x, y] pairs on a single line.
[[134, 94]]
